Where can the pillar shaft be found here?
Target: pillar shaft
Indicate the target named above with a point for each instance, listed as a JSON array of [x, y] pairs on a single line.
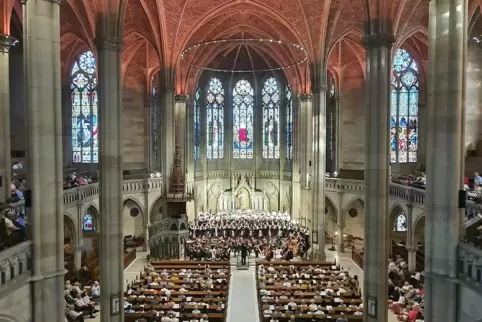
[[180, 110], [110, 183], [41, 23], [445, 166], [378, 70], [5, 162], [189, 142], [318, 166], [412, 258]]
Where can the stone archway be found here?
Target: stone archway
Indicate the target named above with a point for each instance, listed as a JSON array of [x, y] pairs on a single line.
[[70, 245], [331, 217], [397, 230], [419, 232], [133, 218], [243, 199], [354, 216]]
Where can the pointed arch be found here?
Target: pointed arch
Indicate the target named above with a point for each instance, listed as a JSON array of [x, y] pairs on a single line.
[[215, 101], [197, 123], [83, 90], [289, 122], [243, 120]]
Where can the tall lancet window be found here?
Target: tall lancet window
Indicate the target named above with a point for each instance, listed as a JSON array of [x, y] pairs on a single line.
[[404, 109], [85, 143], [270, 100], [197, 124], [243, 109], [289, 123], [215, 119], [153, 118]]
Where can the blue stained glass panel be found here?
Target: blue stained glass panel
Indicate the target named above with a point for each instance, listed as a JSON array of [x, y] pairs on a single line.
[[243, 109], [215, 119], [289, 123], [197, 124], [88, 222], [84, 102], [404, 108]]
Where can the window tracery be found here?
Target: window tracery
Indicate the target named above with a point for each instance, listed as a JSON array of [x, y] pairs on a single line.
[[215, 119], [270, 101], [243, 108]]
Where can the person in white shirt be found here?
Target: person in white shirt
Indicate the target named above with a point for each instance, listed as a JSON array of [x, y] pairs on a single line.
[[313, 307], [166, 318], [95, 291], [204, 318], [196, 310], [82, 306], [358, 313], [286, 283], [293, 304]]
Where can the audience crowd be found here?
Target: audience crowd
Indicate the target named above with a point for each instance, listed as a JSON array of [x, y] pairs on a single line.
[[80, 301], [173, 291]]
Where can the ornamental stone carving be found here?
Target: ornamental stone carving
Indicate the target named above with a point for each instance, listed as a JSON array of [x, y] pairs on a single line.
[[14, 255]]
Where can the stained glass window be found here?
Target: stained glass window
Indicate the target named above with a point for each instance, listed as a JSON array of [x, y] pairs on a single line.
[[243, 109], [197, 124], [215, 119], [270, 100], [88, 222], [85, 143], [404, 109], [400, 223], [154, 119], [289, 123]]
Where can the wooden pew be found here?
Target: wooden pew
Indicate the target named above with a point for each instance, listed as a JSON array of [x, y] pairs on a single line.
[[304, 295]]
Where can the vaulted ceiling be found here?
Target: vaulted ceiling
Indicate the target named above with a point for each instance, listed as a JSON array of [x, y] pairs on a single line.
[[157, 31]]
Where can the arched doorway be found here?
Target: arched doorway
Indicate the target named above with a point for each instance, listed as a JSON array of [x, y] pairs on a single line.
[[397, 231], [355, 224], [70, 243], [133, 221]]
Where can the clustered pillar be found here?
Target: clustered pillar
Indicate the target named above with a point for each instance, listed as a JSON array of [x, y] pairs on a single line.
[[41, 26], [109, 50], [375, 266], [6, 42], [445, 162]]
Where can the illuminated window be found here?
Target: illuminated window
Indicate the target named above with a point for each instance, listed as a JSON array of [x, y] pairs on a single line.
[[197, 124], [88, 222], [243, 106], [215, 119], [400, 223], [404, 109], [85, 143], [270, 100], [289, 123]]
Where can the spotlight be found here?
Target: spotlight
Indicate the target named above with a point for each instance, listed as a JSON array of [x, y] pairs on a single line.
[[335, 174]]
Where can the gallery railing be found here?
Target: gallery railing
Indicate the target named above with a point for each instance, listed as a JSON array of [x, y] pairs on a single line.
[[470, 265], [15, 263]]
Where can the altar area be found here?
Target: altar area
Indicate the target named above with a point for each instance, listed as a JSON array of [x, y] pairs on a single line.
[[243, 196]]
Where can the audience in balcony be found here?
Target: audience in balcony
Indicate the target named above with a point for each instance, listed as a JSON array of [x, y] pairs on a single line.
[[74, 181], [12, 229]]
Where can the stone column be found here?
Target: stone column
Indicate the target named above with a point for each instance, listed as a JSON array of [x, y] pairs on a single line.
[[412, 258], [338, 131], [43, 110], [341, 224], [319, 166], [377, 89], [180, 110], [77, 257], [445, 163], [6, 42], [145, 246], [167, 131], [305, 132], [295, 167], [189, 142], [110, 183]]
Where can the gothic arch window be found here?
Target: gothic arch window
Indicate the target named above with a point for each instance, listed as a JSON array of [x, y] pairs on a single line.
[[197, 124], [215, 119], [289, 123], [271, 101], [404, 109], [88, 222], [83, 92], [153, 118], [243, 109], [400, 223]]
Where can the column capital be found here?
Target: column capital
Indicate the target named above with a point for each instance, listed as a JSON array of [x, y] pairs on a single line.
[[315, 89], [181, 98], [409, 206], [411, 249], [109, 43], [305, 97], [379, 40], [51, 1], [6, 42]]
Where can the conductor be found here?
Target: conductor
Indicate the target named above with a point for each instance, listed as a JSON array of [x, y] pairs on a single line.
[[244, 253]]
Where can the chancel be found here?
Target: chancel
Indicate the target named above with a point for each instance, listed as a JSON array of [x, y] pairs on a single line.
[[240, 160]]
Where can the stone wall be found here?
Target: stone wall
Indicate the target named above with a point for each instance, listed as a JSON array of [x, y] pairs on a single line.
[[352, 135], [135, 131], [16, 303]]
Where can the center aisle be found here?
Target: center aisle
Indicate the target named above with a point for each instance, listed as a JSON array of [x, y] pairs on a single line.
[[243, 300]]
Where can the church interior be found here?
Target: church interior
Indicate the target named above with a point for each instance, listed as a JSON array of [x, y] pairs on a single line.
[[240, 160]]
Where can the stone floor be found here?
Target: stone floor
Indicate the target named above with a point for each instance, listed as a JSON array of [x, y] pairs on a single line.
[[243, 302]]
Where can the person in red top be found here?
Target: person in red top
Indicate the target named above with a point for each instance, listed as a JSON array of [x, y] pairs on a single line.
[[466, 180]]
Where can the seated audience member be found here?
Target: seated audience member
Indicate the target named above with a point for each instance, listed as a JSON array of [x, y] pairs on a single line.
[[73, 315], [95, 291], [342, 318], [82, 306], [14, 234]]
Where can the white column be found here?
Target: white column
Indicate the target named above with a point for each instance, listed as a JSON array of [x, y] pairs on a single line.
[[110, 183], [145, 246], [6, 42], [319, 164], [445, 162], [41, 24], [77, 257], [412, 258], [180, 110], [375, 266]]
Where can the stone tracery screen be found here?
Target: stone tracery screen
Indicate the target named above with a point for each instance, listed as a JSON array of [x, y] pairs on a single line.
[[289, 123], [197, 124], [271, 105], [83, 91], [243, 109], [404, 109], [215, 119]]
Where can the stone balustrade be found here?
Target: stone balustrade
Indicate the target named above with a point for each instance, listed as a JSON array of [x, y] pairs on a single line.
[[15, 263], [470, 265]]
